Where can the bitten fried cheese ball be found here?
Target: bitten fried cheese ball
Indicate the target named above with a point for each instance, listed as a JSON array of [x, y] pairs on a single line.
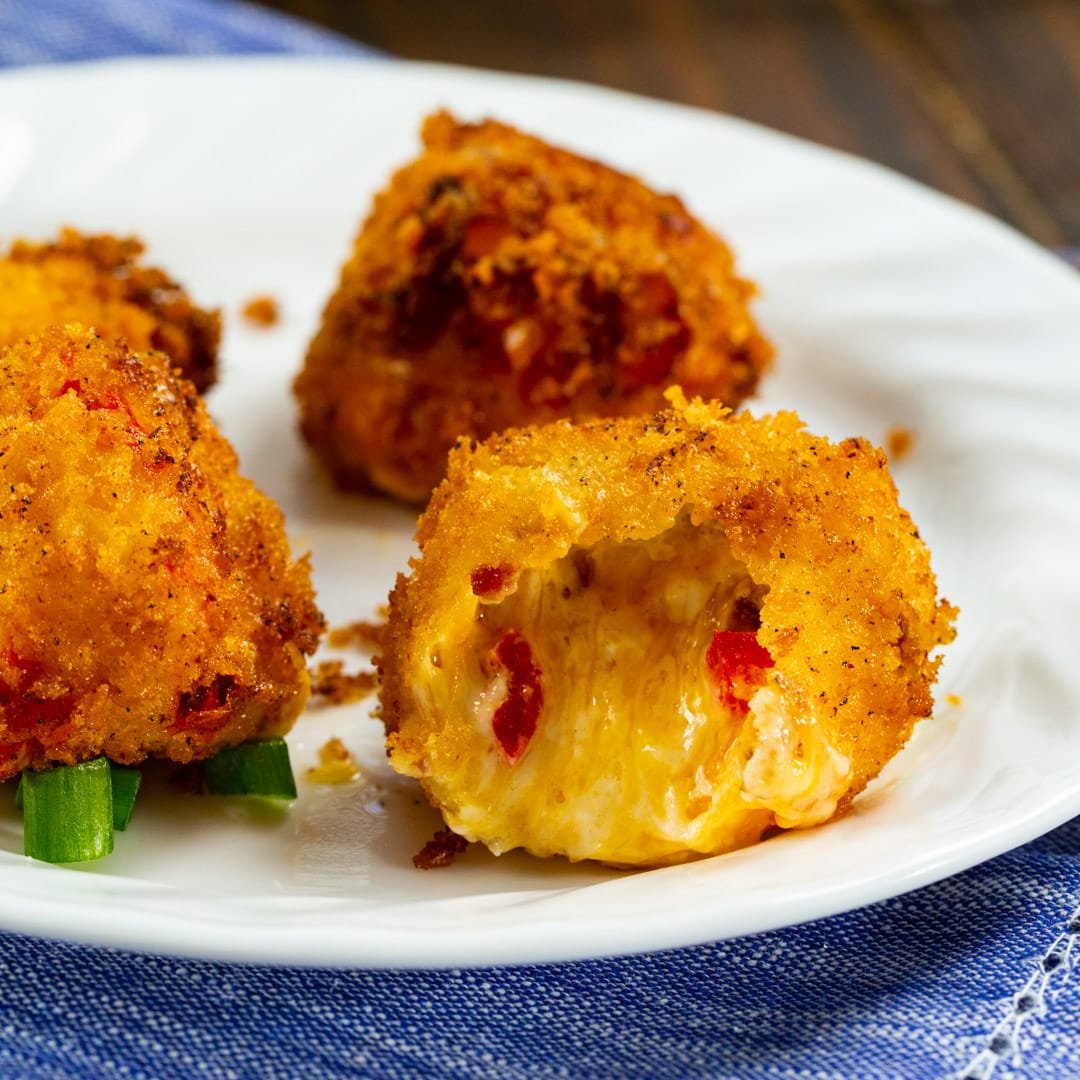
[[646, 640], [500, 281], [98, 281], [149, 605]]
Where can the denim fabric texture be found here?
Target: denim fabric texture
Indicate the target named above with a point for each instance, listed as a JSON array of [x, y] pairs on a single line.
[[973, 977], [46, 31]]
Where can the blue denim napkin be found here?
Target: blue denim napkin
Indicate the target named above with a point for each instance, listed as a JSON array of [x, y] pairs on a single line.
[[46, 31], [970, 978]]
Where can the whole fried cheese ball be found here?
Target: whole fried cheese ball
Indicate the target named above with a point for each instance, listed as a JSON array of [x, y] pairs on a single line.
[[645, 640], [500, 281], [99, 282], [149, 605]]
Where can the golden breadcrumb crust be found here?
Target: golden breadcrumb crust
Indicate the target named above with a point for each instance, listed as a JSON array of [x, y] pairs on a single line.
[[98, 281], [848, 612], [148, 602], [500, 281]]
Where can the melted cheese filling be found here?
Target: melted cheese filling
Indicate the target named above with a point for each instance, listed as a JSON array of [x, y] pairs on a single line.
[[634, 758], [800, 779]]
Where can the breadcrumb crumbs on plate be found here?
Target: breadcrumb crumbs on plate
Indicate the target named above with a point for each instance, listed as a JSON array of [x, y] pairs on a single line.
[[330, 681], [361, 634], [336, 764], [441, 850], [262, 311], [899, 442]]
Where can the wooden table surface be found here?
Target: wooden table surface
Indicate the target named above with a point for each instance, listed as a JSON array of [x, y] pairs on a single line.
[[979, 98]]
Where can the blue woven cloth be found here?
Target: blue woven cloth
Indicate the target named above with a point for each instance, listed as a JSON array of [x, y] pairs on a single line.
[[44, 31], [945, 981], [970, 977]]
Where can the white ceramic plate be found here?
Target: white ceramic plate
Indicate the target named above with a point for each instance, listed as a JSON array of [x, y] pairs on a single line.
[[891, 306]]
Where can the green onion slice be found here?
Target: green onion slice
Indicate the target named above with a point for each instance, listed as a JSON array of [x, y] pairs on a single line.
[[125, 786], [259, 768], [68, 812]]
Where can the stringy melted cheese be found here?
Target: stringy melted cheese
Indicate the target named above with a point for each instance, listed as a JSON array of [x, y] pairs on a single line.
[[634, 758], [799, 777]]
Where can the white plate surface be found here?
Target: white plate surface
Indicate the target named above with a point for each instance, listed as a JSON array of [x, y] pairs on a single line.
[[891, 305]]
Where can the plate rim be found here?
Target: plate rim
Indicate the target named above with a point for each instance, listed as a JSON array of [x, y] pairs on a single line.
[[228, 940], [1040, 257]]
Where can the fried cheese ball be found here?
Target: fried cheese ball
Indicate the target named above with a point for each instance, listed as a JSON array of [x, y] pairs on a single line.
[[98, 281], [149, 605], [650, 639], [500, 281]]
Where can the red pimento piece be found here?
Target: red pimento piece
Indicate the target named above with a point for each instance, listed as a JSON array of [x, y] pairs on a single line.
[[514, 722], [737, 663], [109, 402], [205, 709], [26, 712], [11, 751], [489, 580]]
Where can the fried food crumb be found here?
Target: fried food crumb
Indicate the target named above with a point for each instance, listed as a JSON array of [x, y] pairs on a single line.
[[361, 634], [262, 311], [329, 680], [899, 441], [441, 850], [336, 765]]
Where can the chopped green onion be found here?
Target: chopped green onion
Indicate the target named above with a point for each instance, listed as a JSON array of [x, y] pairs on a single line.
[[125, 786], [254, 768], [68, 812]]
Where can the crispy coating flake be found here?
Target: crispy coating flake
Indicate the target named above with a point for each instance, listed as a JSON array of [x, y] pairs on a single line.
[[362, 634], [336, 765], [500, 281], [331, 682], [899, 441], [148, 602], [441, 850], [645, 640], [98, 281], [262, 312]]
